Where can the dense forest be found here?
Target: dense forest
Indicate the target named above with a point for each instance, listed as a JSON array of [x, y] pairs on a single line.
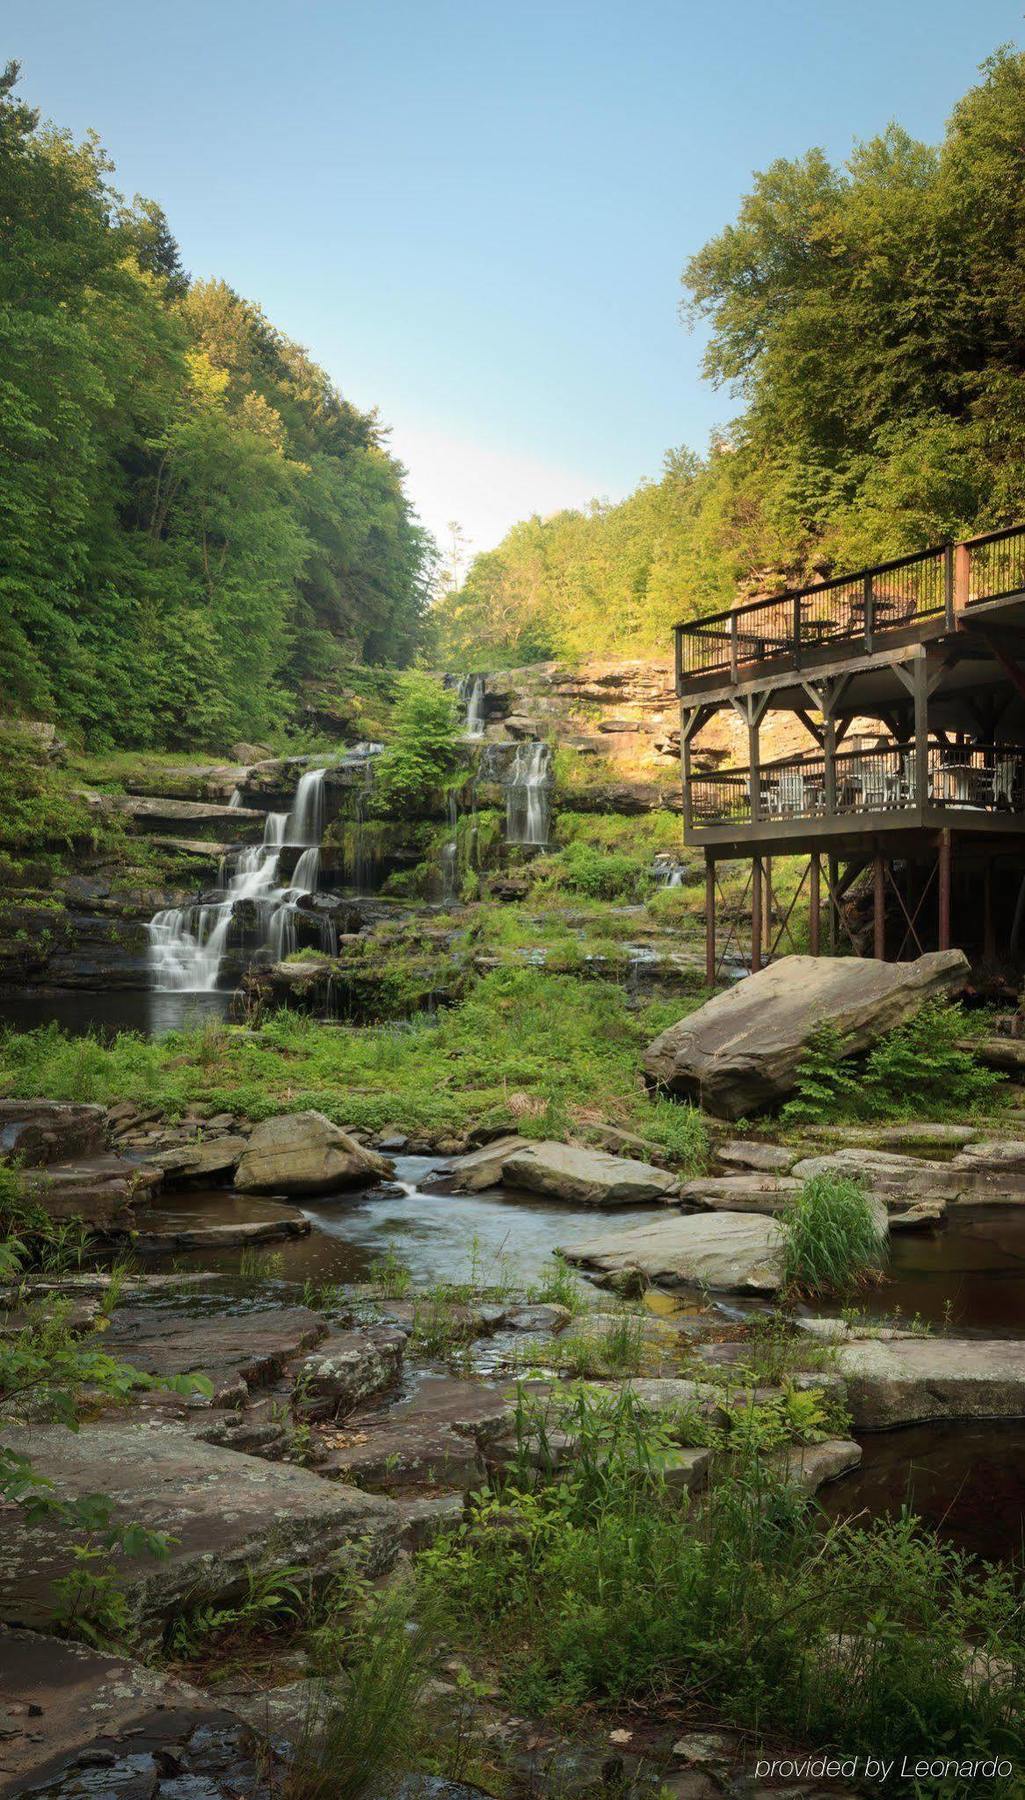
[[871, 319], [192, 518]]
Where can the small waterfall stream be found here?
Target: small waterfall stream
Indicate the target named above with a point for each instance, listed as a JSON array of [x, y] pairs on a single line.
[[187, 944], [471, 693], [527, 787]]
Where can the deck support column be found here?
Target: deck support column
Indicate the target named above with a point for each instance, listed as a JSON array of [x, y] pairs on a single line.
[[767, 909], [756, 915], [878, 906], [833, 868], [709, 919], [920, 694], [989, 942], [943, 872], [814, 901]]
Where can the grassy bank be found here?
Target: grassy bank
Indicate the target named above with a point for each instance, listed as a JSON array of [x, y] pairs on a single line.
[[546, 1053]]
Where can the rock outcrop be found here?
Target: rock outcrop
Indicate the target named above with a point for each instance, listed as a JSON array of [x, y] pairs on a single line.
[[739, 1053], [303, 1153]]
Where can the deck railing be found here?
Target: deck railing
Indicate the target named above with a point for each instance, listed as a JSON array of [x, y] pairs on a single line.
[[975, 778], [866, 605]]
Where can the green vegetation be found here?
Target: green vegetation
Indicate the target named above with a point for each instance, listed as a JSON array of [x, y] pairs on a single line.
[[867, 315], [919, 1070], [523, 1047], [833, 1242], [603, 1586], [424, 753], [195, 520]]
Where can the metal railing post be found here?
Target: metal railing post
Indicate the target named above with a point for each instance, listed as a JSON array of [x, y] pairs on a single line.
[[948, 585]]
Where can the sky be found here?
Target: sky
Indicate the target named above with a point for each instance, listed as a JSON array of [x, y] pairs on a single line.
[[475, 214]]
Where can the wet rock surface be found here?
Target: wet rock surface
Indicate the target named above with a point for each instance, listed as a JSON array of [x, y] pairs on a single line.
[[236, 1350], [79, 1722]]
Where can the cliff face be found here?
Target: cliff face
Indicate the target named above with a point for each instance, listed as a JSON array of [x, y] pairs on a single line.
[[624, 713]]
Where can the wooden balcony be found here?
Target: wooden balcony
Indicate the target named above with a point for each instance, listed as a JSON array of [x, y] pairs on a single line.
[[860, 613], [871, 789]]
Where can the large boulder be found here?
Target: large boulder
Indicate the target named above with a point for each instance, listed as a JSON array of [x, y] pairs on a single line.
[[724, 1252], [739, 1053], [586, 1177], [303, 1153]]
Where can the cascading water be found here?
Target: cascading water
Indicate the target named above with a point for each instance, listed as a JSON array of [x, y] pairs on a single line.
[[471, 693], [527, 784], [450, 853], [186, 944]]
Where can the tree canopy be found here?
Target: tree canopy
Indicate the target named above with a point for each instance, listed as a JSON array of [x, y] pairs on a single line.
[[192, 518], [871, 320]]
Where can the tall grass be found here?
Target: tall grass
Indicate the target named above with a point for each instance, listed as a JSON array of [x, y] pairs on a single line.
[[833, 1242], [366, 1736], [598, 1588]]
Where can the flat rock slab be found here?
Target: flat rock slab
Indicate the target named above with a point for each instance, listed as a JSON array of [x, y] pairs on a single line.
[[776, 1159], [73, 1714], [586, 1177], [909, 1380], [303, 1153], [740, 1052], [237, 1350], [259, 1222], [100, 1190], [225, 1513], [748, 1193], [724, 1252]]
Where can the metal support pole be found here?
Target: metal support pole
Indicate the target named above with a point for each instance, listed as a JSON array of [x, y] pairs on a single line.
[[756, 915], [943, 872], [814, 902], [879, 907], [709, 919], [767, 909], [833, 867]]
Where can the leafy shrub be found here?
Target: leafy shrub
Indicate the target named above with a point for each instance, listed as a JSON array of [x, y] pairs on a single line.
[[918, 1067], [425, 752], [832, 1239]]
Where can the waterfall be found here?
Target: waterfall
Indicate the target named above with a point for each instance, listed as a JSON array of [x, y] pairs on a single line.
[[526, 794], [471, 693], [450, 852], [186, 944]]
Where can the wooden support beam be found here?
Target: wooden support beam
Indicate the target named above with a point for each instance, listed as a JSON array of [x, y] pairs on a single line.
[[832, 876], [921, 699], [943, 873], [878, 906], [989, 942], [709, 919], [756, 915], [767, 908], [815, 903], [813, 730]]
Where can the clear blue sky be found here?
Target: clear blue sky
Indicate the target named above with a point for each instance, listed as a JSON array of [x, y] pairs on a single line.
[[475, 214]]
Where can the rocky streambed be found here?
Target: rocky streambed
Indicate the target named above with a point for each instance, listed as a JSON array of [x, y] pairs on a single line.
[[368, 1315]]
